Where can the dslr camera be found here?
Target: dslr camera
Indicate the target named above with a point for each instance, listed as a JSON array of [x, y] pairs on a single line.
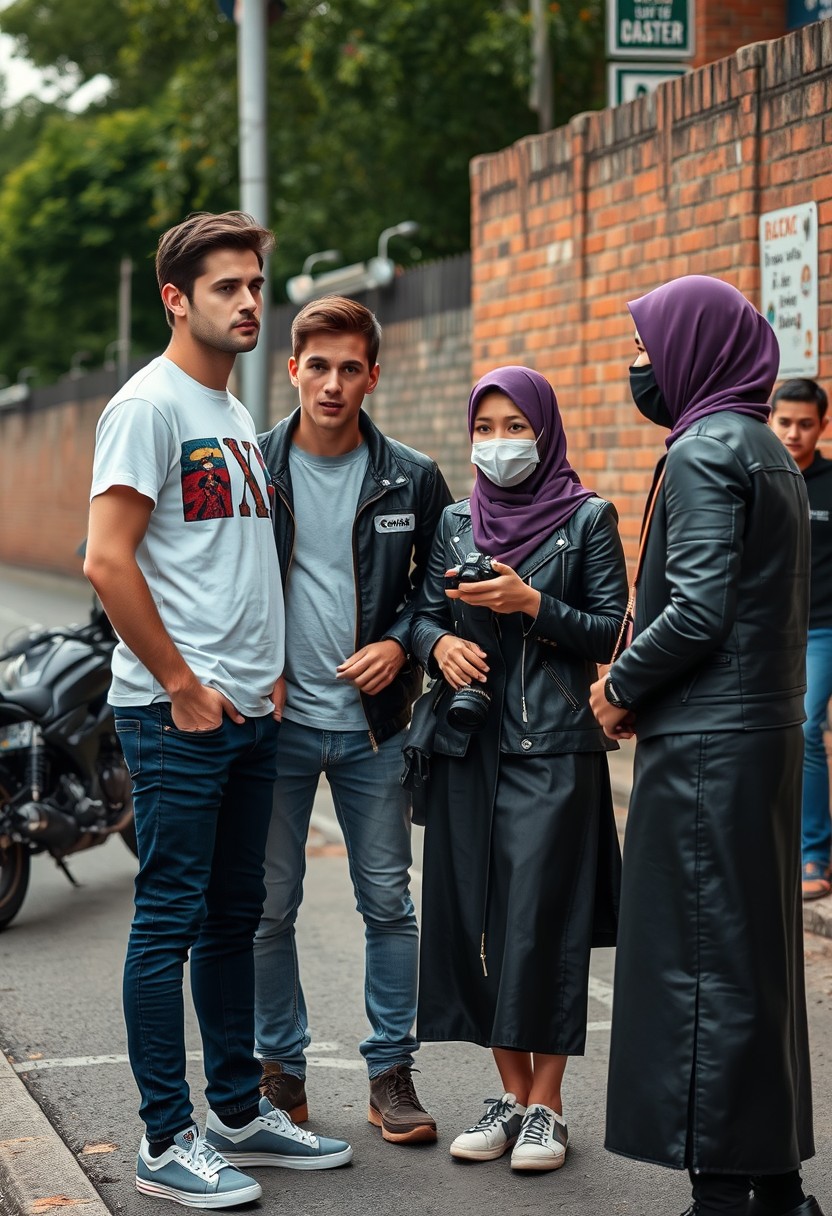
[[468, 710]]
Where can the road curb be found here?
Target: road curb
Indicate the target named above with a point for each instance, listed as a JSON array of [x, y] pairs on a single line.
[[35, 1164]]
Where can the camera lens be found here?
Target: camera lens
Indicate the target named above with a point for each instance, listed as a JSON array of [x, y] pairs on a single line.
[[468, 710]]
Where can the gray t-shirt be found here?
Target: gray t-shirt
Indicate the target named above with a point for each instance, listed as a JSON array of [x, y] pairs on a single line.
[[320, 590]]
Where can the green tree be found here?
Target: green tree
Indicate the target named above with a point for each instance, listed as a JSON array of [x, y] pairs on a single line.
[[68, 213], [375, 109]]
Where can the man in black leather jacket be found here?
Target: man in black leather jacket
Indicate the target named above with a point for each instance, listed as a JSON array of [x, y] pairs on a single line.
[[354, 517], [709, 1056]]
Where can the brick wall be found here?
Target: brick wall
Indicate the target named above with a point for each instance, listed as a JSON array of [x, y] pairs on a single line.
[[720, 28], [570, 225]]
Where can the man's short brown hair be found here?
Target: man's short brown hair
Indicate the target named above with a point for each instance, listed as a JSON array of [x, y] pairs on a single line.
[[180, 257], [336, 315]]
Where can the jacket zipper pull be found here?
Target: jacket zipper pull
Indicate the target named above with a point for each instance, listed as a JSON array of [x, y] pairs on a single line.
[[482, 956], [373, 743]]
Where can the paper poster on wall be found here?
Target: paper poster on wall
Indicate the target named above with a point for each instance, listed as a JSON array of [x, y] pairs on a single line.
[[789, 285]]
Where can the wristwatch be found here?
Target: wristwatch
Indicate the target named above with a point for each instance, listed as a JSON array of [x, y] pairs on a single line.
[[611, 695]]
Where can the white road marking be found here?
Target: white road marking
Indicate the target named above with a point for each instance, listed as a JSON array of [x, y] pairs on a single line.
[[601, 991], [95, 1061]]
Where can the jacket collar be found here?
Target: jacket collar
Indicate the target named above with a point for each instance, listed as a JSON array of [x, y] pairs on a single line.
[[383, 466], [558, 542]]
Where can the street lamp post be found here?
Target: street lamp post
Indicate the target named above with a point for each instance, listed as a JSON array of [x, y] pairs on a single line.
[[254, 191]]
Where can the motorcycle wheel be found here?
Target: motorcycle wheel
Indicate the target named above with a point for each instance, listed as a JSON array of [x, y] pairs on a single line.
[[15, 862], [14, 881]]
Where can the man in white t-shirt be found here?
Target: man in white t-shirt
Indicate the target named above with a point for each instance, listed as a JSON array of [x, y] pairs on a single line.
[[180, 551]]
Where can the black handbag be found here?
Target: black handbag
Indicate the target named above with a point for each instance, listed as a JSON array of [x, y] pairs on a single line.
[[418, 749]]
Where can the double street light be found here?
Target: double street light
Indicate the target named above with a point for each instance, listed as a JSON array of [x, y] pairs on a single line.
[[360, 276]]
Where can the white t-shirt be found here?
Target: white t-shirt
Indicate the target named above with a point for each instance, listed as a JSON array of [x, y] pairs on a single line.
[[209, 554]]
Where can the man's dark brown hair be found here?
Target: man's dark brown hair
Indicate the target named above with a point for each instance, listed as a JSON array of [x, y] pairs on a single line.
[[336, 315], [180, 258]]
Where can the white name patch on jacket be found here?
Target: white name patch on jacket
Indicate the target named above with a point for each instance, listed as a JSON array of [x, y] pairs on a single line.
[[395, 523]]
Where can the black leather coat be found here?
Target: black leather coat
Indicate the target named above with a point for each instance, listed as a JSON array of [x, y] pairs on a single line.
[[399, 505], [580, 573], [709, 1063], [721, 610]]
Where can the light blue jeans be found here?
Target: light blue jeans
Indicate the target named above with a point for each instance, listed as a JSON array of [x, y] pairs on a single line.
[[373, 812], [817, 825]]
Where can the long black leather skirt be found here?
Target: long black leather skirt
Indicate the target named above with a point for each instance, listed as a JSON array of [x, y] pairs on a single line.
[[709, 1063], [520, 880]]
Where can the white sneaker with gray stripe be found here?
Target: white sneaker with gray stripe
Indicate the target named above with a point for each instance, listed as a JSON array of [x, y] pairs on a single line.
[[496, 1131], [542, 1142]]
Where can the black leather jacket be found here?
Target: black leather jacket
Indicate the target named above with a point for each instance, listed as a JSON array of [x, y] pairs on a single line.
[[722, 606], [401, 499], [543, 666]]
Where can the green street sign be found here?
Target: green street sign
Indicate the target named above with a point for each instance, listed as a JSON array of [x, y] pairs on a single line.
[[649, 29], [627, 81]]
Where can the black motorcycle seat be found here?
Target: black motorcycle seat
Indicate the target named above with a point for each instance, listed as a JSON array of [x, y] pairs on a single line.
[[35, 701]]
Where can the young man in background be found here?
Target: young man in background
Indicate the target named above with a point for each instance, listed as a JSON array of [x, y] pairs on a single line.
[[799, 418]]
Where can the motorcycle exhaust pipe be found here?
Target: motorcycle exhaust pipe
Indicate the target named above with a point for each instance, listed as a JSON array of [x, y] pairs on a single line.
[[44, 824]]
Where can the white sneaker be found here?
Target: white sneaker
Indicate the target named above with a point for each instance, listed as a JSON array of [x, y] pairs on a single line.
[[496, 1131], [192, 1173], [542, 1142]]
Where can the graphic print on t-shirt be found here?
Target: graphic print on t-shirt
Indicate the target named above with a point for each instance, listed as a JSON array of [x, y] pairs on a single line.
[[261, 509], [206, 481]]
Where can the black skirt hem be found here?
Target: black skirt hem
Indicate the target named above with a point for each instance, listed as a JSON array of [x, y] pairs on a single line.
[[700, 1167], [426, 1036]]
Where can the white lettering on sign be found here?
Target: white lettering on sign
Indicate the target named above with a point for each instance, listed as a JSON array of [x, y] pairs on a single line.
[[652, 33]]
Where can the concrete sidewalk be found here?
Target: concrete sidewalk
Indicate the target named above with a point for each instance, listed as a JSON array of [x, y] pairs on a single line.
[[817, 913]]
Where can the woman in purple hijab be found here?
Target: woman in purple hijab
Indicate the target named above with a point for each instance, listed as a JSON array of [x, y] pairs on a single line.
[[709, 1060], [521, 862]]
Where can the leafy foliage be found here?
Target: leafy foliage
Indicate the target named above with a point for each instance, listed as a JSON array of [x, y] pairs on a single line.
[[375, 109]]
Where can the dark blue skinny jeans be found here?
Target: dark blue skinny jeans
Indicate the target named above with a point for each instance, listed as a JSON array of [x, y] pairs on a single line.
[[202, 804]]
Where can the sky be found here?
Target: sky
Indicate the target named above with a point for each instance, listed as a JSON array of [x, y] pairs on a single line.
[[22, 78]]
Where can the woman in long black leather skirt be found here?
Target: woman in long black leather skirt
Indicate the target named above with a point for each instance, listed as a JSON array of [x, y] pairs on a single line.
[[521, 864]]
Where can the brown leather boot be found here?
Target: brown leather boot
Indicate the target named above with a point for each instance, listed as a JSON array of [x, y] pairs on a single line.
[[284, 1091], [395, 1108]]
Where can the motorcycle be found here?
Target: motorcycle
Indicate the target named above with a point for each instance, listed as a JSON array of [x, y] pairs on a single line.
[[64, 786]]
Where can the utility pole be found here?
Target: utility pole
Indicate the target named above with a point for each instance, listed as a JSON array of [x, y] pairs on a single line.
[[254, 189], [541, 96], [125, 281]]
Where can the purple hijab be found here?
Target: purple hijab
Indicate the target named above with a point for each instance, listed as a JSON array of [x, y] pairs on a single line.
[[710, 349], [509, 524]]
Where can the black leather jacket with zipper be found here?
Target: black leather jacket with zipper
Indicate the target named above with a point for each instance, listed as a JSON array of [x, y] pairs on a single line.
[[399, 505], [540, 670], [721, 612]]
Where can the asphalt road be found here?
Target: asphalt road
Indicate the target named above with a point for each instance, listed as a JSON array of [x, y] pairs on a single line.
[[61, 1023]]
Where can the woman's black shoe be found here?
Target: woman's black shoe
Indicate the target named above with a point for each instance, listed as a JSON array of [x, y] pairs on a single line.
[[809, 1207]]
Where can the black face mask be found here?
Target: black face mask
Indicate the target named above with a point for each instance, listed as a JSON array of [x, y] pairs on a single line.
[[648, 396]]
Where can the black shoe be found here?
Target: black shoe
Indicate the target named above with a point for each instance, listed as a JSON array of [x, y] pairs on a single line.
[[809, 1207]]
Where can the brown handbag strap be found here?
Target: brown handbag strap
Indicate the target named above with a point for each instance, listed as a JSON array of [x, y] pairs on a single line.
[[648, 519]]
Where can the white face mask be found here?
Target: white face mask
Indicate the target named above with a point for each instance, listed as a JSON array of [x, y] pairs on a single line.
[[506, 462]]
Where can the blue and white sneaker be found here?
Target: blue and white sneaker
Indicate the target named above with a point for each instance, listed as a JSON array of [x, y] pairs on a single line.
[[192, 1173], [273, 1139], [495, 1133]]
